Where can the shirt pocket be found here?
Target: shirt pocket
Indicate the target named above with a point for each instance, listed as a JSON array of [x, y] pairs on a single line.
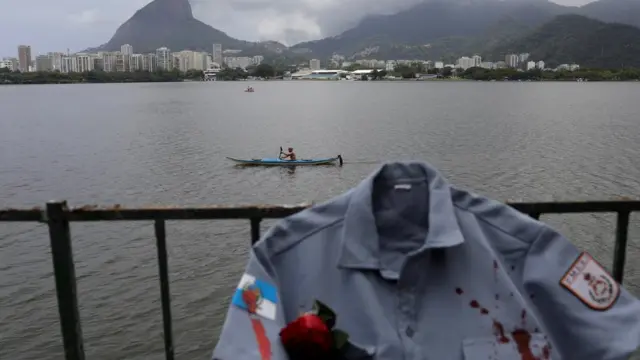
[[489, 348], [356, 351]]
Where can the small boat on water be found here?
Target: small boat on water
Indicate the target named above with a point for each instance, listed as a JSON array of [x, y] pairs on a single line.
[[249, 89], [280, 162]]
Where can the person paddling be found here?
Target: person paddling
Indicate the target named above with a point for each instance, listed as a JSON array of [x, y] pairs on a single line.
[[289, 155]]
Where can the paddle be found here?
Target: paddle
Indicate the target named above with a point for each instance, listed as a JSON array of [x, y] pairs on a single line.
[[280, 155]]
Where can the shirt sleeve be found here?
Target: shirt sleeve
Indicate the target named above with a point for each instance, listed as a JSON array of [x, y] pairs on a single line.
[[252, 334], [584, 310]]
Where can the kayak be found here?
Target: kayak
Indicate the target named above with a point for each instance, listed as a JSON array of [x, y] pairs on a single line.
[[280, 162]]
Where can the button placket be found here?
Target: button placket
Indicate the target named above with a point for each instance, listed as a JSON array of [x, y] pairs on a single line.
[[407, 288]]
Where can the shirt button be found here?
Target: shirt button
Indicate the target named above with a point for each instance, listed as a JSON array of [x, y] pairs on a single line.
[[409, 331]]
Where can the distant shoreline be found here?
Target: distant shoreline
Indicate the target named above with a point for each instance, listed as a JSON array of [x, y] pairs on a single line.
[[267, 73], [310, 80]]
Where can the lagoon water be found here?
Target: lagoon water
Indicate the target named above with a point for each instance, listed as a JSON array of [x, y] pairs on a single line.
[[140, 144]]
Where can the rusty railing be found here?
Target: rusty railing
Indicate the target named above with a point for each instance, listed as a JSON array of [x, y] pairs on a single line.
[[58, 217]]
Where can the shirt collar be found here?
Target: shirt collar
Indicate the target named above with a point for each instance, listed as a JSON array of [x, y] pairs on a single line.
[[360, 237]]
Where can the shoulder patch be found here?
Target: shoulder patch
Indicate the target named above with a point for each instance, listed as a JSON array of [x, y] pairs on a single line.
[[591, 283], [256, 296]]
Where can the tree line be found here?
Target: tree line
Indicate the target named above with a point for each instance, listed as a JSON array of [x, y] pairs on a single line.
[[628, 74], [265, 71], [413, 70], [96, 76]]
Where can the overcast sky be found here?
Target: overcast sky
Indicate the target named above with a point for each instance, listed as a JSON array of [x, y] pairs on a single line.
[[77, 24]]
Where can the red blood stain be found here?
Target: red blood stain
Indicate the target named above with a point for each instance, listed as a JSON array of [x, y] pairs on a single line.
[[264, 346], [484, 311], [498, 330], [523, 318], [546, 352], [459, 291], [522, 339], [495, 265], [474, 304]]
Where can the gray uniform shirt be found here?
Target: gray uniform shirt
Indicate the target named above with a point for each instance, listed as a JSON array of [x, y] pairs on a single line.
[[417, 269]]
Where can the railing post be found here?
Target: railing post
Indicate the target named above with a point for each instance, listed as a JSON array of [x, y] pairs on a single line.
[[65, 278], [165, 294], [255, 230], [620, 250]]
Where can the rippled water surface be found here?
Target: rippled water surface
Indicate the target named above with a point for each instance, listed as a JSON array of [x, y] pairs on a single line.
[[165, 144]]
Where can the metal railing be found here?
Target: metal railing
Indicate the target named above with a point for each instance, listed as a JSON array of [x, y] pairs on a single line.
[[58, 217]]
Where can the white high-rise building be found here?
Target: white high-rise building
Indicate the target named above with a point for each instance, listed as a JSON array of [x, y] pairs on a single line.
[[190, 60], [67, 64], [56, 60], [135, 62], [511, 60], [477, 60], [465, 63], [149, 62], [217, 54], [109, 61], [164, 58], [314, 64], [82, 63], [126, 49]]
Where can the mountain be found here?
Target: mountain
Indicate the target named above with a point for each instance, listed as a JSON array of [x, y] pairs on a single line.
[[615, 11], [440, 29], [573, 38], [169, 23], [435, 28]]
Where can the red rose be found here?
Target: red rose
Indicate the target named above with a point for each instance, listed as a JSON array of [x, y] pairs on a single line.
[[307, 338]]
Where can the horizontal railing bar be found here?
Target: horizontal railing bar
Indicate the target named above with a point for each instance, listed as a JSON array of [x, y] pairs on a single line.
[[576, 206], [117, 213]]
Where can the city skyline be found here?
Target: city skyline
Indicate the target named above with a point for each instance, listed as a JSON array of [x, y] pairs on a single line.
[[126, 60]]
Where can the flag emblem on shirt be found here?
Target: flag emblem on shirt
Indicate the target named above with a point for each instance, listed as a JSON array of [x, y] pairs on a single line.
[[256, 296], [590, 282]]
